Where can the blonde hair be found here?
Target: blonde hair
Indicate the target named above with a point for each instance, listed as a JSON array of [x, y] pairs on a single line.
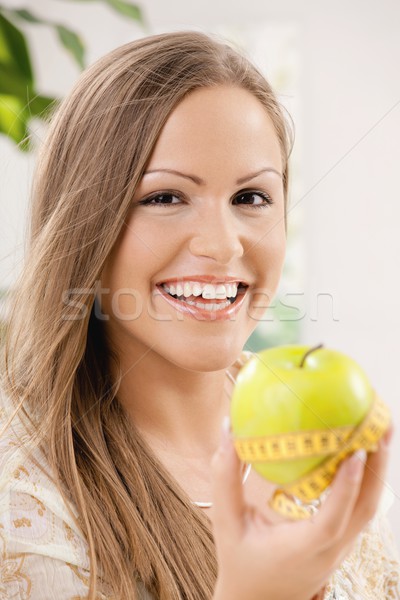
[[138, 522]]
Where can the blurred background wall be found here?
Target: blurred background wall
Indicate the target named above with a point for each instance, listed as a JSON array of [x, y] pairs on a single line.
[[341, 282]]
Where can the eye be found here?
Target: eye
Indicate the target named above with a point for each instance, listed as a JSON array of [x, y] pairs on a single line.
[[162, 199], [254, 198]]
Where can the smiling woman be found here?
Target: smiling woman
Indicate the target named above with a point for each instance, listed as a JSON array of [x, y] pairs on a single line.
[[158, 221], [205, 227]]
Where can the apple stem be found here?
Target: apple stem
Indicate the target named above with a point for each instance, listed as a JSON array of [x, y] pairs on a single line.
[[309, 352]]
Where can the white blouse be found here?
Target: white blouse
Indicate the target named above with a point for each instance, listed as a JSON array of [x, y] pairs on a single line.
[[44, 556]]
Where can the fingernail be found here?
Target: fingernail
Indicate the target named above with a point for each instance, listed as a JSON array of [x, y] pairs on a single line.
[[355, 465]]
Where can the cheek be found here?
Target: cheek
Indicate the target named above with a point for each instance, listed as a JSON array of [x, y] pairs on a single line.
[[135, 255], [268, 260], [269, 251], [148, 244], [120, 280], [132, 267]]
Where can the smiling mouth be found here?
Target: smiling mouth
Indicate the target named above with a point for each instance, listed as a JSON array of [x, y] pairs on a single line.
[[200, 300]]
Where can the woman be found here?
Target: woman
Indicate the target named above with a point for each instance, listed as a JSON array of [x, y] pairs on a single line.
[[163, 178]]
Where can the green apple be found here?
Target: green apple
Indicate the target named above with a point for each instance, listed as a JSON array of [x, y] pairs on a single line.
[[290, 389]]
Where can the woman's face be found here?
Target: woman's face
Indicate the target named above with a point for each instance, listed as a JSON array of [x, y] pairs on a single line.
[[208, 210]]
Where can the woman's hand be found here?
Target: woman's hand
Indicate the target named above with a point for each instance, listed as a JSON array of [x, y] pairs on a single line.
[[261, 560]]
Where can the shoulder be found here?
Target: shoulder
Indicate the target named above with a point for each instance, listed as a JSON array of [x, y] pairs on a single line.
[[43, 554], [372, 569], [33, 515]]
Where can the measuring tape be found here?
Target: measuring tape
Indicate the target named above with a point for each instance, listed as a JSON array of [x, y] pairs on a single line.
[[335, 444]]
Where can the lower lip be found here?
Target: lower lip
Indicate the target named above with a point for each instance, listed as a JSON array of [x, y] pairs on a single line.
[[202, 314]]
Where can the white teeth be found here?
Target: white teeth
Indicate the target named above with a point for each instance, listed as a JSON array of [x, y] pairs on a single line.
[[209, 306], [232, 290], [207, 290], [196, 289], [221, 291]]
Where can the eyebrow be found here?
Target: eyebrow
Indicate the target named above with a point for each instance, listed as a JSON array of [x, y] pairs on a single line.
[[199, 181]]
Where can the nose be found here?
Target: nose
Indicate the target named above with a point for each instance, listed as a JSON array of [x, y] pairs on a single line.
[[217, 236]]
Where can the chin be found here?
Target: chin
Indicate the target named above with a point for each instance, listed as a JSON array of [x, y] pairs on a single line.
[[210, 357]]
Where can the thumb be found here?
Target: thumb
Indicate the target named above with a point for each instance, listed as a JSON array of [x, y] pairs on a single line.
[[337, 510], [227, 489]]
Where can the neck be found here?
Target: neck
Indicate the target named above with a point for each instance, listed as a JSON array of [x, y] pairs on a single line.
[[178, 412]]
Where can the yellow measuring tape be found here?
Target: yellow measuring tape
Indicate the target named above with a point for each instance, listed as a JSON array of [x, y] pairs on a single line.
[[291, 499]]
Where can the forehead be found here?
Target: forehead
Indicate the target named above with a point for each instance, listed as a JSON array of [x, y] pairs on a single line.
[[223, 123]]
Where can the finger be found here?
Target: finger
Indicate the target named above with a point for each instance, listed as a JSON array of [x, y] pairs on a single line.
[[371, 488], [334, 515], [227, 489]]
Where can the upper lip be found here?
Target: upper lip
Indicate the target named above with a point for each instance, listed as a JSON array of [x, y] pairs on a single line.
[[205, 279]]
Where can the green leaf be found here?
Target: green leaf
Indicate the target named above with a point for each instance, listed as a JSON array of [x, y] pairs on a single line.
[[26, 15], [13, 121], [69, 39], [73, 43], [15, 114], [14, 49], [13, 82], [127, 9], [42, 106]]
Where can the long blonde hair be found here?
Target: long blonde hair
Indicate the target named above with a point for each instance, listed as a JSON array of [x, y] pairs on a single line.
[[138, 522]]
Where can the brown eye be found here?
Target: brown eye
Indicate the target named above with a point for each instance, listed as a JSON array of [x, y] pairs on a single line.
[[164, 199], [254, 199]]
